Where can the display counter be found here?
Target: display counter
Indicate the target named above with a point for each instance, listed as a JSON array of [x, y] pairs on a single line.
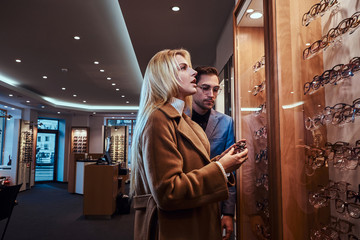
[[79, 177]]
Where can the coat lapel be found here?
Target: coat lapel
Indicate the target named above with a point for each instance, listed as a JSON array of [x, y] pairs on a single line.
[[212, 122], [189, 130]]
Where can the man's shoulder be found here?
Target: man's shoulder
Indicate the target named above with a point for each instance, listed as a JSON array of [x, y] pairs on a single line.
[[221, 116]]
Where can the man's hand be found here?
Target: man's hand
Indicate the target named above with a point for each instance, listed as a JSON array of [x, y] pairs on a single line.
[[227, 223]]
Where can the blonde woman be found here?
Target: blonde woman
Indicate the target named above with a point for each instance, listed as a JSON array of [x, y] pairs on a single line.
[[175, 186]]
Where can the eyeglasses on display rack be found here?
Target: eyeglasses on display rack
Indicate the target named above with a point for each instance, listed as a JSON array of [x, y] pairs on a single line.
[[206, 89], [258, 88], [333, 76], [350, 194], [340, 154], [259, 64], [334, 231], [261, 108], [261, 133], [340, 225], [325, 233], [261, 156], [319, 9], [262, 231], [353, 209], [333, 36], [263, 207], [324, 194], [339, 114], [263, 180]]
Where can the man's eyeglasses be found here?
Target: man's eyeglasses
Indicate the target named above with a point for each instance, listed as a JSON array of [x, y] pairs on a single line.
[[207, 89]]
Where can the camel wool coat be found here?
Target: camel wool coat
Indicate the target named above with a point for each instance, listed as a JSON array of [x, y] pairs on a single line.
[[178, 188]]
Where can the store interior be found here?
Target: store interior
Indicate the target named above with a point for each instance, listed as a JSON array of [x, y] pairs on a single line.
[[70, 80]]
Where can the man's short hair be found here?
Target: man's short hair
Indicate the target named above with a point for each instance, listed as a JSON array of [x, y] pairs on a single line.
[[203, 70]]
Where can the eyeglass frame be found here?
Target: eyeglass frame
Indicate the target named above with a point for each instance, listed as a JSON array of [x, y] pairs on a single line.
[[213, 89]]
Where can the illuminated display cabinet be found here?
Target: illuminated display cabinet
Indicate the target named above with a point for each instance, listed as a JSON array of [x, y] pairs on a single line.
[[297, 103]]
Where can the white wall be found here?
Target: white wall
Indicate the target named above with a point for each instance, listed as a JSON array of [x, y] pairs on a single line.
[[96, 134]]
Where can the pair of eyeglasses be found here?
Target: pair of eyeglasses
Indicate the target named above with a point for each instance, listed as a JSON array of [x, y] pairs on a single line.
[[333, 76], [261, 133], [350, 194], [319, 9], [259, 64], [353, 209], [206, 89], [261, 156], [333, 36], [258, 88], [263, 180]]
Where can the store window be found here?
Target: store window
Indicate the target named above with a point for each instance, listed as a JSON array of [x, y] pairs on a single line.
[[48, 124]]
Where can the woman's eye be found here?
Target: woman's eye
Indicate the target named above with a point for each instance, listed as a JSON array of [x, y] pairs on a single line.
[[183, 68]]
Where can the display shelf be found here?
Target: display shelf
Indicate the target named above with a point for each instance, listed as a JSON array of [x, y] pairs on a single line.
[[312, 117], [80, 140], [116, 143]]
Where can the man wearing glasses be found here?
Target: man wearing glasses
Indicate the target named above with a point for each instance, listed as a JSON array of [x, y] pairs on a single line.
[[218, 128]]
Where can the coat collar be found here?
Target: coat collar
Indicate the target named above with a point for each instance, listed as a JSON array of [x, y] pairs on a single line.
[[189, 130], [212, 122]]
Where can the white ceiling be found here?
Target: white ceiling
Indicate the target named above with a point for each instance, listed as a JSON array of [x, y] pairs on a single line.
[[40, 33]]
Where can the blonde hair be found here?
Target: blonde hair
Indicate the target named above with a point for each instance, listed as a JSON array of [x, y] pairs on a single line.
[[159, 86]]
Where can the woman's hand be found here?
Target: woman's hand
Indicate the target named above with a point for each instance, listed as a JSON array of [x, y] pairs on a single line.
[[231, 160]]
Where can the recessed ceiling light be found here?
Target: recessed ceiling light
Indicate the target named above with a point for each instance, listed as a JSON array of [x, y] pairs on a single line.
[[18, 60], [250, 10], [84, 101], [113, 84], [44, 77], [10, 95], [122, 117], [249, 91], [292, 92], [102, 70], [112, 117], [76, 37], [63, 89], [256, 15], [108, 78], [12, 108], [122, 95], [94, 112], [308, 44], [96, 62], [42, 106], [127, 101], [175, 8], [27, 101], [74, 95], [132, 113], [5, 106], [58, 112], [117, 89]]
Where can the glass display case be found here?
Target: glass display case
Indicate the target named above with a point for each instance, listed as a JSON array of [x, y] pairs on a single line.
[[312, 52], [116, 142], [26, 154], [251, 120], [2, 133], [79, 140]]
